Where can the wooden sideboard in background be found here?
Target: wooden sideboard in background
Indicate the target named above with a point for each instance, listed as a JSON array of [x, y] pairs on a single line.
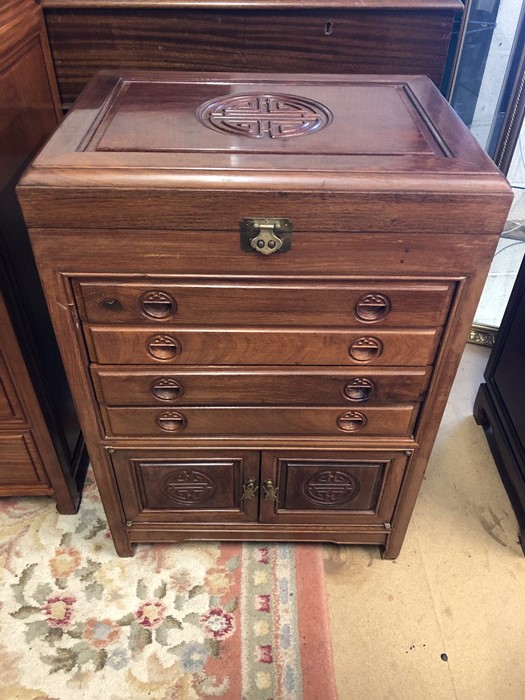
[[41, 446], [332, 36]]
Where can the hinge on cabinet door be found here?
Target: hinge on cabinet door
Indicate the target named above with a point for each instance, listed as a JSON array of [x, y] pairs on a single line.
[[74, 314]]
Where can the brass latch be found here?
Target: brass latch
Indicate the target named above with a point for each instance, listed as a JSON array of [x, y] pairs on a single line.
[[266, 236]]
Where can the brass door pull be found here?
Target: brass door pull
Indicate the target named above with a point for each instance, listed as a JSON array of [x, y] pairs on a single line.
[[271, 492], [249, 490]]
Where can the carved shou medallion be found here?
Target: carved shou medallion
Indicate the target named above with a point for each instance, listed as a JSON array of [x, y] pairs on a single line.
[[331, 487], [189, 487], [260, 116]]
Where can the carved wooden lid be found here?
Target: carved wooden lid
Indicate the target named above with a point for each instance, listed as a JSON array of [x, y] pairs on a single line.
[[266, 133]]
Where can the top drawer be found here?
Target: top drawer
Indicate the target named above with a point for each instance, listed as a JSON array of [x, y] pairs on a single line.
[[260, 302]]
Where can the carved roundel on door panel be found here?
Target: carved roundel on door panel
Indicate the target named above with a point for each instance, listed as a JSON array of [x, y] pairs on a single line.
[[189, 487], [261, 116], [331, 488]]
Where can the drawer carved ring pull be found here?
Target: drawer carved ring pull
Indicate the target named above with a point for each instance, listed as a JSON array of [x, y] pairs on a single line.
[[158, 305], [271, 492], [372, 307], [171, 421], [366, 349], [163, 347], [359, 389], [249, 490], [351, 421], [166, 389]]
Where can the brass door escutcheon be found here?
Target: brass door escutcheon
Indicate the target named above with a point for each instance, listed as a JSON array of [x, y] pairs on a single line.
[[249, 490], [271, 492], [266, 236]]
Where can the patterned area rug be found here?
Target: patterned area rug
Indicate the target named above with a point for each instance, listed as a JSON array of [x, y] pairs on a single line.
[[178, 622]]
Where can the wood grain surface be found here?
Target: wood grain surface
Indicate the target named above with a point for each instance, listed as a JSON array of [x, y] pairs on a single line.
[[343, 37]]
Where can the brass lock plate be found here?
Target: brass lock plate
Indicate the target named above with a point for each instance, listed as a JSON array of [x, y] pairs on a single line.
[[266, 236]]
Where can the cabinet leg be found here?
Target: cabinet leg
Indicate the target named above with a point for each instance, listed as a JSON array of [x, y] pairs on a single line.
[[479, 413], [391, 550], [68, 490], [123, 546]]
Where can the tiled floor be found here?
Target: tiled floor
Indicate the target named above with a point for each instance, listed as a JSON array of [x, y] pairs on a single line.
[[457, 589]]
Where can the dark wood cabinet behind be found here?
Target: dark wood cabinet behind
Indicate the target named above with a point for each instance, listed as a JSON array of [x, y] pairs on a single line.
[[500, 403], [40, 441], [305, 36]]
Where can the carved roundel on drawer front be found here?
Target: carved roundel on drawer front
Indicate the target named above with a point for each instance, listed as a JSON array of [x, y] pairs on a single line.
[[262, 116], [163, 347], [359, 389], [166, 389], [157, 304], [189, 487], [351, 421], [372, 307], [331, 488], [171, 421], [365, 349]]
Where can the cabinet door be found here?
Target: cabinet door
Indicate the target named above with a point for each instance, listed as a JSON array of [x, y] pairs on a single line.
[[187, 485], [330, 486]]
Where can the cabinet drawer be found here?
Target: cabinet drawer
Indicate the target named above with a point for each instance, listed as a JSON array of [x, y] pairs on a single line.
[[332, 486], [340, 386], [219, 346], [186, 486], [259, 302], [386, 420], [20, 462]]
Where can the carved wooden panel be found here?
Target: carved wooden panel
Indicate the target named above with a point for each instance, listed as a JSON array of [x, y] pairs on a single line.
[[261, 116], [186, 485], [20, 463], [331, 485]]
